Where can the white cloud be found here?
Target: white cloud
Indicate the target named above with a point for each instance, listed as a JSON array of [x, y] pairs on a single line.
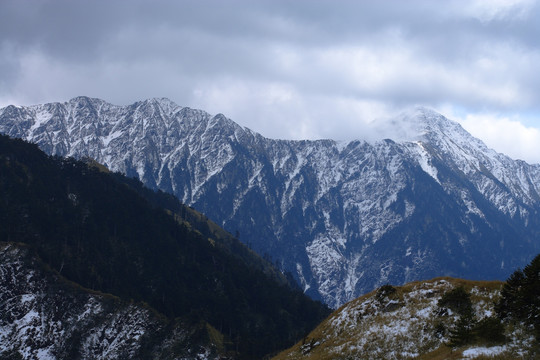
[[321, 69], [278, 110], [489, 10], [504, 134]]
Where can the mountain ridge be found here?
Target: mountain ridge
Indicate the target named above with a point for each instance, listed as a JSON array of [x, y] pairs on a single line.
[[343, 217]]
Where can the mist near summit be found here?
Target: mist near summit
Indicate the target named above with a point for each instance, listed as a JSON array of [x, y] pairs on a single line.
[[302, 70]]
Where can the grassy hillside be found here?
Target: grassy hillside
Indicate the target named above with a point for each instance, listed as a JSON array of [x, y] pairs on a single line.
[[420, 320]]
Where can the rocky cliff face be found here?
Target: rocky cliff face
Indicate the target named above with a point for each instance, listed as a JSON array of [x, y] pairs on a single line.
[[43, 316], [342, 217]]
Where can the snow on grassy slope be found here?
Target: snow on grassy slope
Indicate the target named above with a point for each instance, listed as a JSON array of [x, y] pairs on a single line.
[[407, 324]]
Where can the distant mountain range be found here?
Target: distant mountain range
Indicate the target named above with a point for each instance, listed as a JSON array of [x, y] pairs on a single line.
[[342, 217]]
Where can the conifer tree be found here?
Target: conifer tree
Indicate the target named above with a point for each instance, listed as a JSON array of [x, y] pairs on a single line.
[[520, 296], [458, 300], [512, 303], [462, 333]]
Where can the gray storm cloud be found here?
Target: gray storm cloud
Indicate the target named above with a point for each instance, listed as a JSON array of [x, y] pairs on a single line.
[[286, 69]]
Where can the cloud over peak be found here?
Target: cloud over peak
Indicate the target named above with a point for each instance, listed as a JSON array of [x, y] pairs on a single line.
[[285, 69]]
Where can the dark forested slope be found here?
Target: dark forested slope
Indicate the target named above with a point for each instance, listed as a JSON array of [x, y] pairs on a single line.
[[107, 233]]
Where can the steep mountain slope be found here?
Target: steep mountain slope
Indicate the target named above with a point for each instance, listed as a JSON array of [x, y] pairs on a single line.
[[419, 320], [342, 217], [43, 316], [108, 233]]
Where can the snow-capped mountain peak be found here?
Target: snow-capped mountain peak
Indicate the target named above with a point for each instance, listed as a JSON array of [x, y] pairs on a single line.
[[421, 124], [342, 217]]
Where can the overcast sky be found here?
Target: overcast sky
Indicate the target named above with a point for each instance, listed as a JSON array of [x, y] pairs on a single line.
[[288, 69]]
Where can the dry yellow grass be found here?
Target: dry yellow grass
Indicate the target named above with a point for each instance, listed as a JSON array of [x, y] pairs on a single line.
[[402, 326]]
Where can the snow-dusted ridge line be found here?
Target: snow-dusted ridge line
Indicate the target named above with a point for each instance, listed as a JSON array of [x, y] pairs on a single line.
[[347, 212]]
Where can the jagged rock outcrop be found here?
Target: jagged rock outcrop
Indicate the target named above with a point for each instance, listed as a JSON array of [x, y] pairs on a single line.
[[43, 316]]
